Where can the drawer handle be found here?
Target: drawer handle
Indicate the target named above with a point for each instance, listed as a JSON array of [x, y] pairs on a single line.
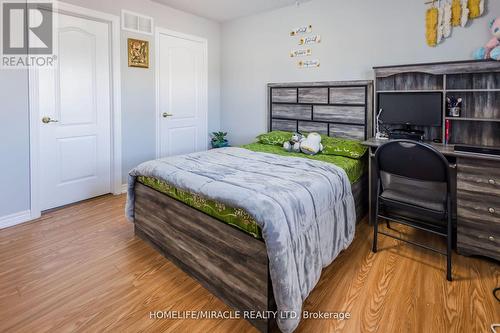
[[491, 210], [491, 181], [491, 238]]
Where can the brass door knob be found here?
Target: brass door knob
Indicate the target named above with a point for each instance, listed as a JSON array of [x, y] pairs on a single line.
[[166, 114], [47, 120]]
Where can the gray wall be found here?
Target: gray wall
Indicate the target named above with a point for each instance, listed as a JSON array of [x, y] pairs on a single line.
[[14, 142], [138, 109], [356, 34], [138, 100], [138, 85]]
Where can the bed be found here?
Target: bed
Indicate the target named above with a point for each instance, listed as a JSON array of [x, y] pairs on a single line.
[[221, 245]]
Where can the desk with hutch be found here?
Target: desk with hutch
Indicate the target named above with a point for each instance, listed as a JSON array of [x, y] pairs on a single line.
[[475, 177]]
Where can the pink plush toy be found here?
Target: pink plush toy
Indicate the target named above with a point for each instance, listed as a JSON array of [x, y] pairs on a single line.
[[492, 49]]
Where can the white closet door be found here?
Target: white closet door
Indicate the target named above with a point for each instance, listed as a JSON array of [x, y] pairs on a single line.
[[182, 97], [75, 115]]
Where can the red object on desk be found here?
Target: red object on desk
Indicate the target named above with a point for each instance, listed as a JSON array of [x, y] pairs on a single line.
[[447, 131]]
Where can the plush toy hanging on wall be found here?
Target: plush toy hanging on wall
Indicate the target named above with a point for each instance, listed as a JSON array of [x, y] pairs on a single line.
[[492, 49], [431, 22], [465, 13], [447, 20], [456, 13], [440, 25], [440, 19], [476, 8]]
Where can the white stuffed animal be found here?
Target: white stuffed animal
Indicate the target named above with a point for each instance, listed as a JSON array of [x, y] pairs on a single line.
[[440, 26], [293, 145], [312, 145], [465, 13], [447, 20]]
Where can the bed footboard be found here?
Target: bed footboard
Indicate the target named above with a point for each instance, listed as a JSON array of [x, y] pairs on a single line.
[[231, 264]]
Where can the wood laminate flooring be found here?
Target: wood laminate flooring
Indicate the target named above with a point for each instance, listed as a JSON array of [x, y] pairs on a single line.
[[80, 268]]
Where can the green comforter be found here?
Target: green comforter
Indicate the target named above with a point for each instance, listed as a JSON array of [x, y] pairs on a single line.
[[354, 168]]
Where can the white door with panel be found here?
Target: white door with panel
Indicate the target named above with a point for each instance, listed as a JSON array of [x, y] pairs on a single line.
[[182, 95], [74, 106]]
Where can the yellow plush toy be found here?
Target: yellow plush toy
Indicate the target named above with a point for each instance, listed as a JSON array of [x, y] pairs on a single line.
[[456, 13], [431, 23], [476, 8]]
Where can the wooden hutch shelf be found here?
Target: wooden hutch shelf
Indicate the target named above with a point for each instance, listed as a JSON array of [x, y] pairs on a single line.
[[476, 82]]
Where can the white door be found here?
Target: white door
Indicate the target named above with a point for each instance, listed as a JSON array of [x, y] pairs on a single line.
[[182, 95], [74, 114]]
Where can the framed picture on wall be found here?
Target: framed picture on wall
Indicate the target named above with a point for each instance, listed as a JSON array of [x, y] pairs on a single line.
[[138, 53]]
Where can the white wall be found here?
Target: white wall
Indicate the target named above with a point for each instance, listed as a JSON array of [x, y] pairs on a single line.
[[138, 85], [14, 142], [356, 35], [138, 100]]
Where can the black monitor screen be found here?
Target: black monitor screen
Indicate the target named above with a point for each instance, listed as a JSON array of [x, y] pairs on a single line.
[[424, 109]]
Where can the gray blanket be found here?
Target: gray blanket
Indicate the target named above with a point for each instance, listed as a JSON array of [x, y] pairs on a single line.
[[304, 207]]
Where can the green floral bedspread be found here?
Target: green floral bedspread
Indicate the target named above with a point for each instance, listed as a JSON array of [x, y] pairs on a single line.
[[233, 216], [238, 217], [354, 168]]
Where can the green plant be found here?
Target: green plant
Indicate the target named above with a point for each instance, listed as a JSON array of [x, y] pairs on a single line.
[[219, 137], [219, 140]]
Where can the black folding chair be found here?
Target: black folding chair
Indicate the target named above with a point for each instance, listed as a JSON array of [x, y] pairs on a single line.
[[414, 190]]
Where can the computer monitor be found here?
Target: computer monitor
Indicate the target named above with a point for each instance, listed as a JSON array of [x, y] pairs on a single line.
[[411, 109]]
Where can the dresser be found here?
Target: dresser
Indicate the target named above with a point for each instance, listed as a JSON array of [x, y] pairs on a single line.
[[478, 207]]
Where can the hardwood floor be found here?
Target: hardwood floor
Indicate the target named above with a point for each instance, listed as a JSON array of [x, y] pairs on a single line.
[[80, 268]]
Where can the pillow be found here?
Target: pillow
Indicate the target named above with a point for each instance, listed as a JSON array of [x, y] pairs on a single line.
[[343, 147], [274, 138], [331, 146]]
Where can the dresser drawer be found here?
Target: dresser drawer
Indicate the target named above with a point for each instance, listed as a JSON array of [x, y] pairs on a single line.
[[478, 207], [479, 238], [481, 176]]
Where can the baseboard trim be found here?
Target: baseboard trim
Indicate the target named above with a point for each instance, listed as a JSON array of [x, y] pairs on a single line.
[[124, 188], [15, 219]]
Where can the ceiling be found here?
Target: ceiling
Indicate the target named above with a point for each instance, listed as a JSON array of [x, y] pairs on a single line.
[[226, 10]]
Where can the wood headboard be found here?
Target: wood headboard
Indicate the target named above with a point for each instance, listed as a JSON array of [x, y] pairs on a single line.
[[341, 109]]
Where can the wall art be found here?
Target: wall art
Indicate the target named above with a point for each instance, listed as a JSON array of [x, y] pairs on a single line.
[[310, 40], [301, 30], [309, 63], [300, 53], [138, 53]]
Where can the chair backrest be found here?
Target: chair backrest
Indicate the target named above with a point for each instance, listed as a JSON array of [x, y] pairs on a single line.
[[413, 160]]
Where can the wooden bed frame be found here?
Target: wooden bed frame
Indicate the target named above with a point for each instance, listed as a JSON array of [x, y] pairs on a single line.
[[232, 264]]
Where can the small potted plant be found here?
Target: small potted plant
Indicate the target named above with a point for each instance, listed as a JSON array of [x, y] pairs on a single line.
[[219, 140]]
